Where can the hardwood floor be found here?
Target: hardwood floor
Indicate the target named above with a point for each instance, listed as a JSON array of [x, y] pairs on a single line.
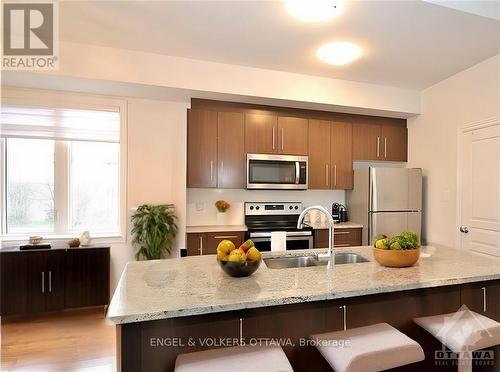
[[79, 340]]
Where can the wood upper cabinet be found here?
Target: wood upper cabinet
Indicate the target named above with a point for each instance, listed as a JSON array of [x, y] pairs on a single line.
[[381, 139], [319, 154], [292, 136], [261, 134], [202, 148], [231, 150], [330, 155], [366, 141], [394, 143], [342, 176]]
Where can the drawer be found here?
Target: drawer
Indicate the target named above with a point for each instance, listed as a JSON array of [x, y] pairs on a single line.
[[342, 238], [206, 243]]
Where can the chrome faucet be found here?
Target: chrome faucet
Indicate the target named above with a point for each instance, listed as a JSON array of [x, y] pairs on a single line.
[[330, 255]]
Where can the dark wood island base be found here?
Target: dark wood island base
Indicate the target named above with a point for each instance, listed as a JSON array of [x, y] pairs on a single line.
[[153, 346]]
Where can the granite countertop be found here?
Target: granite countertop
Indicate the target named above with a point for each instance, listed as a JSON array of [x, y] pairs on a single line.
[[196, 285], [215, 228], [340, 225]]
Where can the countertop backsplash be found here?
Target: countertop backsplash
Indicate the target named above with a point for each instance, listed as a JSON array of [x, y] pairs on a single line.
[[201, 210]]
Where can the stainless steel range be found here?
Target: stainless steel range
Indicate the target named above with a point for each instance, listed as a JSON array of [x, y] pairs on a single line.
[[263, 218]]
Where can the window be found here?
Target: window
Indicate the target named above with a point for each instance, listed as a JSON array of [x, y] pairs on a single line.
[[61, 171]]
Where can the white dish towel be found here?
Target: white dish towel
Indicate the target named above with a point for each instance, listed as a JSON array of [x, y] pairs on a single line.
[[278, 241]]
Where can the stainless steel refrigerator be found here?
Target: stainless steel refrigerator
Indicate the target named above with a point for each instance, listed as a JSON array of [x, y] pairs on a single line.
[[386, 201]]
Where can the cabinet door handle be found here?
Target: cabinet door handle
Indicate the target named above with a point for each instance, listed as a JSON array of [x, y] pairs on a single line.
[[211, 170], [282, 138], [326, 174], [201, 245], [274, 139], [241, 331], [484, 299], [342, 245], [43, 281], [344, 315], [335, 174], [50, 281], [221, 181], [226, 237], [378, 147], [385, 147]]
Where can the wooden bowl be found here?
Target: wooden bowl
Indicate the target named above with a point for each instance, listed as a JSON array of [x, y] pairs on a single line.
[[396, 258], [239, 269]]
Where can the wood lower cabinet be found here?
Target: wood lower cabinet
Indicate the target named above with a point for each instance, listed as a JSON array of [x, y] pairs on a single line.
[[292, 136], [202, 148], [382, 139], [290, 326], [483, 298], [350, 237], [261, 134], [50, 280], [206, 243], [87, 277]]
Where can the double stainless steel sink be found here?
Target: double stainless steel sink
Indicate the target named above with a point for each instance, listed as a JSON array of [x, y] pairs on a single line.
[[308, 261]]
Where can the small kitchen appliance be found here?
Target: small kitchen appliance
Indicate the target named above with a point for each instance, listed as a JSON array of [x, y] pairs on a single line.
[[280, 172]]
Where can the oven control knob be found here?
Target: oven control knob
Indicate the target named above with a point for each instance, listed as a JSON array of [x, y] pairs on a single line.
[[296, 207], [291, 207], [257, 207], [251, 207]]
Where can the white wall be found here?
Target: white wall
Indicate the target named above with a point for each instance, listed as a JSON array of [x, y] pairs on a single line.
[[469, 96], [156, 164], [121, 65], [201, 210]]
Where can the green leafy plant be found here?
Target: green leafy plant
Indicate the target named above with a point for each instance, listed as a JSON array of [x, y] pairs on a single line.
[[153, 230]]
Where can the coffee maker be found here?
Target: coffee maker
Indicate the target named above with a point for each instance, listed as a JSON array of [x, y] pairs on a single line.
[[339, 213]]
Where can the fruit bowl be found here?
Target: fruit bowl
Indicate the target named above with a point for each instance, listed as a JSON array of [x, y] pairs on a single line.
[[396, 258], [239, 269]]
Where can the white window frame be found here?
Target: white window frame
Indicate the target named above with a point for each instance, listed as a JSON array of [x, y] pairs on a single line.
[[29, 97]]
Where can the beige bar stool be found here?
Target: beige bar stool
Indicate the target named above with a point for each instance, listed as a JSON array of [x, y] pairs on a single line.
[[372, 348], [462, 332], [235, 359]]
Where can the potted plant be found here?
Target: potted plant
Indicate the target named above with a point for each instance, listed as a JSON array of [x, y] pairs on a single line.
[[153, 230], [222, 206]]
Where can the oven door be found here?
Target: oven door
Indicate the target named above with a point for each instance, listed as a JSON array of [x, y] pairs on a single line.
[[294, 240], [276, 172]]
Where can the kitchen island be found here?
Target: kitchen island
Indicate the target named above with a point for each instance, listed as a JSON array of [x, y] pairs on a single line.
[[167, 307]]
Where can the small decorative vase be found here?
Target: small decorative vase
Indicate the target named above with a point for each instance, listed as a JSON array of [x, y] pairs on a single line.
[[221, 218]]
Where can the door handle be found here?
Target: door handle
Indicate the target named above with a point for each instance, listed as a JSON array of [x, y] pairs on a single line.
[[211, 170], [282, 138], [378, 147], [227, 237], [43, 281], [326, 174], [385, 147], [50, 281], [464, 229], [335, 174], [297, 172], [274, 139]]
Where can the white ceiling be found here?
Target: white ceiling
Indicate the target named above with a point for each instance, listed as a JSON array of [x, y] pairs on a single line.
[[409, 44]]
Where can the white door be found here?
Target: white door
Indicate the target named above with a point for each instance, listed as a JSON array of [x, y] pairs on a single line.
[[480, 189]]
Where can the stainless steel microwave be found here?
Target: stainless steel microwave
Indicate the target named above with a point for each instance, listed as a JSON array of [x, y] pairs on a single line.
[[280, 172]]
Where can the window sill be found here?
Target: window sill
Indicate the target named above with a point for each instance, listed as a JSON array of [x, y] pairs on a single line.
[[6, 240]]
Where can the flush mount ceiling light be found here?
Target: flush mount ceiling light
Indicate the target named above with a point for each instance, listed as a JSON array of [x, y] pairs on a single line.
[[339, 53], [314, 10]]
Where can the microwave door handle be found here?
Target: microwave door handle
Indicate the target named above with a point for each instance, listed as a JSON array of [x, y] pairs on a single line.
[[297, 172]]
